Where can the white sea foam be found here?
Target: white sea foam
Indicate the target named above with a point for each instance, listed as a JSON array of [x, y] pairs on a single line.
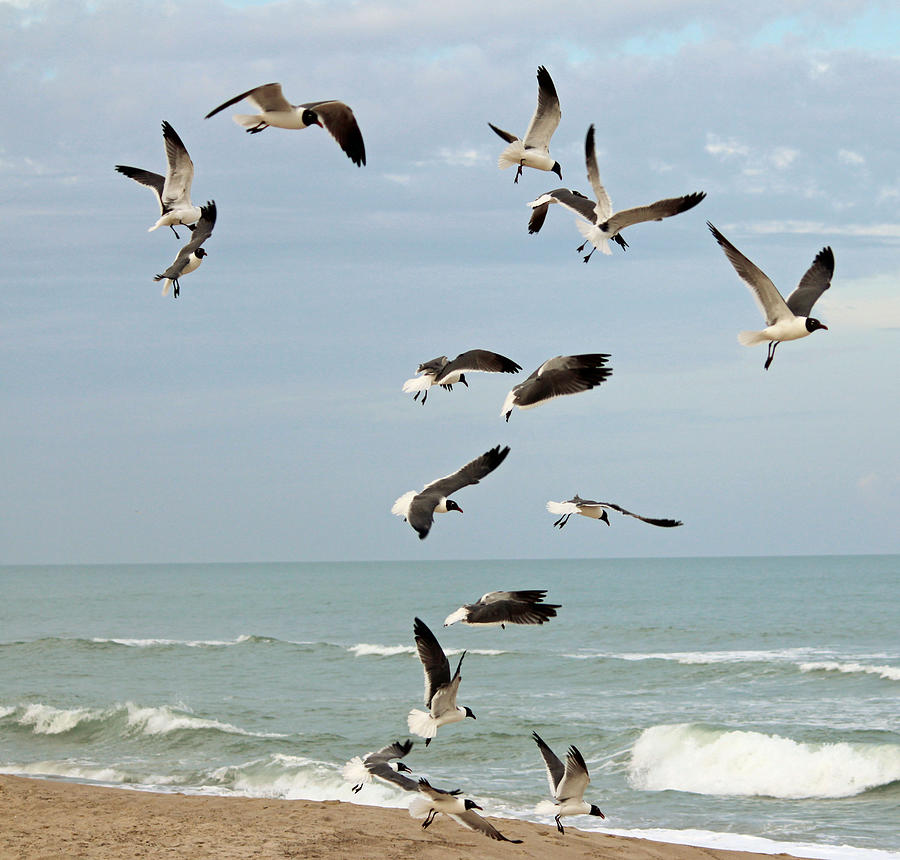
[[364, 649], [686, 757], [48, 720], [163, 720], [5, 712], [890, 673], [189, 643], [298, 778], [700, 657], [756, 844]]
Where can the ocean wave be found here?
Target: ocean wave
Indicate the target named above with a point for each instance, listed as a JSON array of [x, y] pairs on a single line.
[[692, 658], [703, 760], [889, 673], [127, 718], [187, 643], [364, 649], [89, 772]]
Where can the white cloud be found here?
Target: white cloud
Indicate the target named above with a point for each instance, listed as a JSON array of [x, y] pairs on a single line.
[[722, 148], [848, 156]]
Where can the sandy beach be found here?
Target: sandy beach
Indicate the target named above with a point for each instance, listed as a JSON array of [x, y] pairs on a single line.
[[44, 820]]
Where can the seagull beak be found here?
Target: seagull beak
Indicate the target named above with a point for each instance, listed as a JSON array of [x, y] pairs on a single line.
[[459, 509], [824, 327]]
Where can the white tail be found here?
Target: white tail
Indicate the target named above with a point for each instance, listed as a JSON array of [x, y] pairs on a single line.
[[247, 120], [545, 807], [562, 508], [401, 506], [418, 383], [511, 156], [751, 338], [166, 286], [419, 807], [422, 724], [590, 232], [355, 771]]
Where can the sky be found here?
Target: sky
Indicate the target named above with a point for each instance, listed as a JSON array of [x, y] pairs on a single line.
[[259, 417]]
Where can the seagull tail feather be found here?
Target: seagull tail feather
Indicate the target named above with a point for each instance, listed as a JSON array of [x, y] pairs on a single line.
[[751, 338], [422, 724]]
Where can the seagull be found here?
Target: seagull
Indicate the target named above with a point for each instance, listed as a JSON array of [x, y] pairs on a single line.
[[191, 255], [431, 802], [597, 511], [173, 191], [534, 151], [418, 509], [440, 688], [565, 374], [277, 111], [785, 320], [505, 607], [602, 223], [445, 373], [567, 784], [362, 770]]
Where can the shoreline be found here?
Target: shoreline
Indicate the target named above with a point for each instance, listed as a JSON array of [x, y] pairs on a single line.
[[44, 818]]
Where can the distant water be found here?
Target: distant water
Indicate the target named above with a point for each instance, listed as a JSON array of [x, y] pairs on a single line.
[[744, 703]]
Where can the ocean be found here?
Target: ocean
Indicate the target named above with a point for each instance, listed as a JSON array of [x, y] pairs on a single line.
[[744, 703]]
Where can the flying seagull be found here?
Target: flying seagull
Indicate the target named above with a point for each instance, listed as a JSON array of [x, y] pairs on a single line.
[[191, 255], [505, 607], [534, 150], [440, 688], [173, 191], [445, 373], [362, 770], [600, 222], [785, 320], [431, 802], [565, 374], [418, 509], [567, 784], [597, 511], [277, 111]]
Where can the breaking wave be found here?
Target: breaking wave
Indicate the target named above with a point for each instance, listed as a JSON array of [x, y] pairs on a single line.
[[703, 760]]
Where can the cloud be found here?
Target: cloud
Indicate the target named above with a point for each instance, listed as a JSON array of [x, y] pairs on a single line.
[[848, 156]]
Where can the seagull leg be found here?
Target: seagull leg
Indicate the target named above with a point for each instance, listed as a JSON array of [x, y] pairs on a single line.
[[174, 231], [519, 171], [424, 396], [771, 354], [260, 126], [357, 788], [588, 257], [429, 818], [175, 288], [559, 826]]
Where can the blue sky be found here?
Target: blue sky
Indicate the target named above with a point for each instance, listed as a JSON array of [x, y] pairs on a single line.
[[260, 417]]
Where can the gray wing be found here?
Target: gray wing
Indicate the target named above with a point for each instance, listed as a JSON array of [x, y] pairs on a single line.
[[180, 173], [266, 97], [663, 523], [471, 473], [480, 360], [201, 233], [341, 123], [768, 298], [816, 280], [434, 366], [507, 136], [510, 610], [565, 374], [654, 211], [577, 202], [434, 661], [576, 778], [603, 208], [473, 821], [153, 181], [377, 764], [555, 768], [546, 115]]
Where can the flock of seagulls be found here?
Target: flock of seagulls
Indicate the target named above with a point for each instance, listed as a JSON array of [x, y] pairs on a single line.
[[599, 225]]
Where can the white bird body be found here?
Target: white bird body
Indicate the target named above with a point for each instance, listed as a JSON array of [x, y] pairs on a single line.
[[195, 258], [431, 802], [440, 371], [534, 149], [192, 254], [440, 688], [567, 784], [275, 110], [785, 320], [173, 191], [556, 377], [600, 224], [499, 608], [597, 511]]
